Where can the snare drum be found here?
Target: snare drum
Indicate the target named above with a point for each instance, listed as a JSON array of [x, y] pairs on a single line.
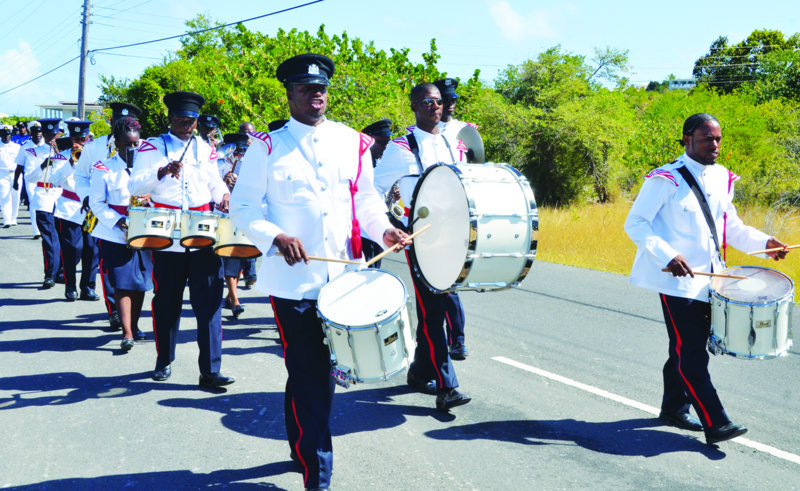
[[484, 227], [150, 228], [232, 242], [751, 318], [367, 329], [198, 228]]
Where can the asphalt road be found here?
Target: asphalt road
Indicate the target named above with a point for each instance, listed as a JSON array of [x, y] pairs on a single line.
[[564, 371]]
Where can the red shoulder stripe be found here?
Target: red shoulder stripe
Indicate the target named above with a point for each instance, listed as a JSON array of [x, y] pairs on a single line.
[[473, 125], [263, 137], [31, 151], [365, 142], [100, 166], [146, 146], [403, 142]]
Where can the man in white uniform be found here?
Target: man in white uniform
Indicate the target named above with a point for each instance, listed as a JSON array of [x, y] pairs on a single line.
[[668, 224], [296, 194], [9, 196]]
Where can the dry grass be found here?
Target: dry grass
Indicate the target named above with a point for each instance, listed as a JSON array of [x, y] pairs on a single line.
[[592, 236]]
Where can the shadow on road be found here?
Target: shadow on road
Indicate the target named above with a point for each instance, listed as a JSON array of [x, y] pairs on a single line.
[[631, 437], [180, 479]]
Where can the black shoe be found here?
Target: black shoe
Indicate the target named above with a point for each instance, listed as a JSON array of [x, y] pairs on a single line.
[[451, 398], [238, 310], [249, 282], [139, 335], [114, 321], [295, 458], [71, 295], [161, 374], [724, 432], [227, 305], [684, 421], [59, 280], [424, 386], [37, 236], [90, 295], [48, 283], [126, 344], [458, 351], [214, 380]]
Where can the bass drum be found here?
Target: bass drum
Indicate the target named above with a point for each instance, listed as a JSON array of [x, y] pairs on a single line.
[[484, 227]]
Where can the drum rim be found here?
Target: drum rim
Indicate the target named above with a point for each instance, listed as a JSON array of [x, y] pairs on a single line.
[[170, 239], [790, 293], [716, 344], [368, 271]]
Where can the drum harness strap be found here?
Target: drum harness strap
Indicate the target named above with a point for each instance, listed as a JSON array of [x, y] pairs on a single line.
[[690, 180], [412, 144]]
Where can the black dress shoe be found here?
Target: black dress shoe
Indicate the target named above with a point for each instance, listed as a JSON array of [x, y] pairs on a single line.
[[725, 432], [458, 351], [90, 295], [71, 295], [424, 386], [126, 344], [139, 335], [114, 321], [684, 421], [163, 373], [48, 283], [59, 280], [451, 398], [237, 310], [214, 380]]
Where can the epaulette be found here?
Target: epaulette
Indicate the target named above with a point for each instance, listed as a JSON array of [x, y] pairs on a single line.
[[661, 172], [264, 137], [100, 165], [473, 125], [365, 141], [59, 156], [32, 151], [146, 146], [403, 142]]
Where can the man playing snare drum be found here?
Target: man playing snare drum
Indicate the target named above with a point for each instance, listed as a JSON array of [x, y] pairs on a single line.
[[296, 194], [174, 169], [668, 225]]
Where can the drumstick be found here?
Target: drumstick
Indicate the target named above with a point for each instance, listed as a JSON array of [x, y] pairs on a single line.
[[718, 275], [775, 249], [328, 259], [394, 247]]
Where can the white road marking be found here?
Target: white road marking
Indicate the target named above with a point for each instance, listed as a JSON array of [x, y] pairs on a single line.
[[781, 454]]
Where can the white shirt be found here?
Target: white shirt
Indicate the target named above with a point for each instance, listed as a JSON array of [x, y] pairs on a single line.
[[109, 186], [8, 156], [202, 179], [68, 205], [31, 157], [398, 160], [93, 152], [666, 220], [295, 181]]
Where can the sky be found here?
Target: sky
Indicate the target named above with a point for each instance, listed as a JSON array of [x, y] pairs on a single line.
[[662, 38]]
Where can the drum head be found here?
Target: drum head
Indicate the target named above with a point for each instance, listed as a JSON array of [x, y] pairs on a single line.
[[440, 252], [763, 285], [361, 298]]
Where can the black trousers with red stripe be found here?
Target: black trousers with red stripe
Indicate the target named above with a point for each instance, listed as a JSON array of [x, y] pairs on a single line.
[[432, 356], [77, 247], [309, 388], [686, 378], [51, 248], [454, 315]]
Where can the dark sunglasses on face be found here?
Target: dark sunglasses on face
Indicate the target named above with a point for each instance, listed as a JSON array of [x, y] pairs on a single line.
[[429, 101]]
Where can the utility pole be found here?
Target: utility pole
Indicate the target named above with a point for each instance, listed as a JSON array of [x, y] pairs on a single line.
[[87, 4]]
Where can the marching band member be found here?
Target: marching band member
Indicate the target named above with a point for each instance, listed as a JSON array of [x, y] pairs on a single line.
[[432, 371], [454, 311], [128, 270], [76, 245], [35, 129], [381, 132], [173, 168], [9, 194], [296, 194], [234, 266], [668, 225], [207, 125], [95, 151], [39, 159]]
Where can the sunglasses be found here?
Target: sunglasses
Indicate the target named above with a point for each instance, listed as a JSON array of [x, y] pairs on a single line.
[[430, 101]]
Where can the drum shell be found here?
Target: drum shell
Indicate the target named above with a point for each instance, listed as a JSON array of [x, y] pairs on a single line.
[[368, 352], [198, 229], [752, 331], [486, 219], [150, 228], [231, 241]]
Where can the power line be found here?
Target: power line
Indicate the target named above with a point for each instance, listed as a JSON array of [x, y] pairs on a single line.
[[40, 76]]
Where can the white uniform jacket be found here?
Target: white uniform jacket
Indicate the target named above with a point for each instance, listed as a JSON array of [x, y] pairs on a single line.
[[398, 160], [31, 157], [666, 220], [296, 180], [93, 152], [68, 205], [199, 165], [109, 186], [8, 157]]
